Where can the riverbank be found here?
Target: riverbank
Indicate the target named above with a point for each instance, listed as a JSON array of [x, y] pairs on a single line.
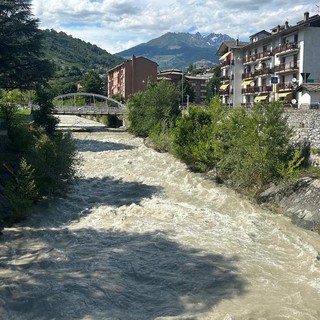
[[301, 202]]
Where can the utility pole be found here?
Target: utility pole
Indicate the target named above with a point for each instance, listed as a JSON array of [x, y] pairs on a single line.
[[182, 89]]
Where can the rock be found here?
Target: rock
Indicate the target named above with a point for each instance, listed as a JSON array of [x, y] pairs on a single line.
[[301, 201]]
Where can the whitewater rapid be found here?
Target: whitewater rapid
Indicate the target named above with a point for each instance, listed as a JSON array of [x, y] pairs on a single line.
[[140, 237]]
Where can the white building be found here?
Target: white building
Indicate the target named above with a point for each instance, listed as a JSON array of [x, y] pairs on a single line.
[[272, 65]]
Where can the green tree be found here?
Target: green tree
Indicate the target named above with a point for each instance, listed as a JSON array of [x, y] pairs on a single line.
[[187, 90], [213, 84], [21, 65], [158, 103], [92, 83], [43, 117]]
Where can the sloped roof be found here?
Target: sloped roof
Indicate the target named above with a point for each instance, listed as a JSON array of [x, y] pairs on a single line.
[[311, 87], [227, 45]]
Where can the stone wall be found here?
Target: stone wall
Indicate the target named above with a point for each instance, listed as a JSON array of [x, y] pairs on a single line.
[[306, 124]]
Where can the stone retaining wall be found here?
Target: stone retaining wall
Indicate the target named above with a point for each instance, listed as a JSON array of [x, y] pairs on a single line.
[[306, 124]]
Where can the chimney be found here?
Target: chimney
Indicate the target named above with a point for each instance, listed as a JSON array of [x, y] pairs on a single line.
[[306, 16], [286, 25], [237, 42], [278, 28]]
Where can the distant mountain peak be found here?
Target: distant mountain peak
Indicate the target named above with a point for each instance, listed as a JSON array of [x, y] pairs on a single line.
[[179, 50]]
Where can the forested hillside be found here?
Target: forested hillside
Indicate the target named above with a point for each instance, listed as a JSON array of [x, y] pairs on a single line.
[[66, 50]]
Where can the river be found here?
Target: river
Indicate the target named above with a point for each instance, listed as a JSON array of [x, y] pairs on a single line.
[[139, 237]]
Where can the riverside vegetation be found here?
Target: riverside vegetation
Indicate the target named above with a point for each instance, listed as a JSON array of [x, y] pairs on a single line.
[[36, 161], [248, 150]]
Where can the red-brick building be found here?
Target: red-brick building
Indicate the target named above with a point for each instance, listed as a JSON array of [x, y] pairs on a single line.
[[131, 76]]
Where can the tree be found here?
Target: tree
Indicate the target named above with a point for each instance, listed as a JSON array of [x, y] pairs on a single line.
[[213, 84], [187, 90], [43, 117], [21, 65], [92, 83], [158, 104]]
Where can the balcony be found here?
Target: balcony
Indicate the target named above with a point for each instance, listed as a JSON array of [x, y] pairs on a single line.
[[284, 48], [263, 55], [226, 63], [256, 89], [249, 59], [286, 67], [225, 78], [285, 86], [247, 75], [263, 71], [248, 90]]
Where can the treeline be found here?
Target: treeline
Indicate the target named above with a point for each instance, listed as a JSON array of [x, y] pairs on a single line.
[[36, 160], [248, 149], [66, 51]]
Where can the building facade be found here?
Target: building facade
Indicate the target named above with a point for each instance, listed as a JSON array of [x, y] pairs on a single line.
[[131, 76], [198, 82], [272, 65]]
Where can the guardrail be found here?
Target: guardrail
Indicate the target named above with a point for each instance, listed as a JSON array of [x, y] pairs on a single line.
[[88, 110]]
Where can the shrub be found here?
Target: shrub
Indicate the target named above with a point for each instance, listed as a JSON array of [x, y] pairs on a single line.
[[22, 191]]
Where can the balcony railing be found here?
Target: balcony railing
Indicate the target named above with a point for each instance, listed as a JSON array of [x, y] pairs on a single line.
[[247, 75], [226, 63], [257, 56], [263, 71], [283, 67], [286, 47], [256, 89], [285, 86], [224, 78]]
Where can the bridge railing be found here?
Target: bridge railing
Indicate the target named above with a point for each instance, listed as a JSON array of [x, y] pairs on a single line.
[[88, 110]]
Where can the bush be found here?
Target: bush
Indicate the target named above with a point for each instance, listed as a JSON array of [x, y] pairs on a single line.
[[250, 149], [22, 191], [161, 137], [54, 161]]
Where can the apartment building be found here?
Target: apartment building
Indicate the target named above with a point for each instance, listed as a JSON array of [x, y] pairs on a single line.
[[198, 82], [131, 76], [273, 66]]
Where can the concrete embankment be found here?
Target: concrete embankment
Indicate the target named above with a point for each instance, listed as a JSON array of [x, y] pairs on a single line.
[[301, 202]]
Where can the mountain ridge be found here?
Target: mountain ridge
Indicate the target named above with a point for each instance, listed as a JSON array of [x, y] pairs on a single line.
[[179, 50]]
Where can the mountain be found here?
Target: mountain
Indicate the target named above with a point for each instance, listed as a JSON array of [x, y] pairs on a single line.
[[179, 50], [65, 50]]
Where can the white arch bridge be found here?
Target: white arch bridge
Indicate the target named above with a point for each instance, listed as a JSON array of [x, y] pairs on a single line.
[[81, 103]]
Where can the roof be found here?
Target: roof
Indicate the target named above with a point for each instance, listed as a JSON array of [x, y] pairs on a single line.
[[133, 57], [311, 87], [227, 45], [313, 21], [262, 32]]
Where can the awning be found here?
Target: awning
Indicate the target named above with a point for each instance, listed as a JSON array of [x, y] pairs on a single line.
[[246, 82], [260, 98], [225, 55], [224, 86], [283, 94]]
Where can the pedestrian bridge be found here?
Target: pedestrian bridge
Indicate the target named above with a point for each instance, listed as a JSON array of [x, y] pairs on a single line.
[[82, 103]]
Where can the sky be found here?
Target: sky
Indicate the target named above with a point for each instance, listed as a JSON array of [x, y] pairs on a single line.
[[117, 25]]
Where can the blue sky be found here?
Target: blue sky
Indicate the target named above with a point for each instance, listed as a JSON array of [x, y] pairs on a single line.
[[116, 25]]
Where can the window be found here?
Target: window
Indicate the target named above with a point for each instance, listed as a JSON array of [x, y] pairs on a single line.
[[296, 38]]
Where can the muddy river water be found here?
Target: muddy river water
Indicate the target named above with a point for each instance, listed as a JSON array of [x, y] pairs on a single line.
[[140, 237]]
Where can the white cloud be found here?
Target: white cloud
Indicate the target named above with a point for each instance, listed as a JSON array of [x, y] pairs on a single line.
[[116, 25]]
